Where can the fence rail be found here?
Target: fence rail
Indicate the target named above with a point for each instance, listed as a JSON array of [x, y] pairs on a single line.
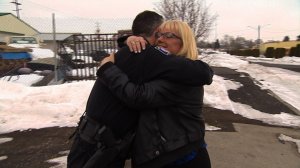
[[80, 54]]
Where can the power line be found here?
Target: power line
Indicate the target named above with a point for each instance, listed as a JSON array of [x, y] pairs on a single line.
[[55, 10], [283, 31], [235, 31]]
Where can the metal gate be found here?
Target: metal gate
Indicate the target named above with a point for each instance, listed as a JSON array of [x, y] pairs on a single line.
[[80, 54]]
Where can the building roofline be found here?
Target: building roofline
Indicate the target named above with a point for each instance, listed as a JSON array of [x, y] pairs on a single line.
[[3, 14]]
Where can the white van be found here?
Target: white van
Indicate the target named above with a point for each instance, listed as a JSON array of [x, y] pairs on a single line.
[[23, 42]]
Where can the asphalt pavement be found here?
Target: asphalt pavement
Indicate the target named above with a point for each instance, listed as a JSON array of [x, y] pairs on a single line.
[[291, 67], [253, 146], [245, 143]]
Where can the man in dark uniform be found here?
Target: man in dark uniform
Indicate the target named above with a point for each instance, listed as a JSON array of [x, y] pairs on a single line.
[[107, 128]]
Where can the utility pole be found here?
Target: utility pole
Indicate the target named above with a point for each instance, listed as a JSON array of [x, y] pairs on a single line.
[[216, 31], [17, 7], [97, 28], [54, 47], [258, 33]]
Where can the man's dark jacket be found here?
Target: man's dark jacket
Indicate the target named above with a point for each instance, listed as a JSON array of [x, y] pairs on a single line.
[[171, 123]]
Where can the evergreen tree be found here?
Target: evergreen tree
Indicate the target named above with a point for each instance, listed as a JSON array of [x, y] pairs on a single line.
[[217, 44], [286, 38]]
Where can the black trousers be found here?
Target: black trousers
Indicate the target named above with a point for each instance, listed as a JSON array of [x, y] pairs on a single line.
[[201, 160], [81, 151]]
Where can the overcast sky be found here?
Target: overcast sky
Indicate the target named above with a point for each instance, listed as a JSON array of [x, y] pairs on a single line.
[[277, 18]]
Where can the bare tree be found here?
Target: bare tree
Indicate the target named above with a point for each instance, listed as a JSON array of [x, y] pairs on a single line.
[[194, 12], [231, 43]]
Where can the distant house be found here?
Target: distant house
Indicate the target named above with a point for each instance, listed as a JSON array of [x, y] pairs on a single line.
[[279, 44], [13, 26]]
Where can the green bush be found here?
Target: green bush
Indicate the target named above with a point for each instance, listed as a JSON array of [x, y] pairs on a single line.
[[269, 52], [247, 52], [255, 52], [292, 51], [279, 52], [297, 51], [235, 52]]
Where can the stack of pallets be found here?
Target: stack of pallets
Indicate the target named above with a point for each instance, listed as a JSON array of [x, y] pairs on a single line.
[[12, 58]]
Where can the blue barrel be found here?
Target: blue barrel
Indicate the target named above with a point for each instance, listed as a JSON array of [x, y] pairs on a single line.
[[15, 55]]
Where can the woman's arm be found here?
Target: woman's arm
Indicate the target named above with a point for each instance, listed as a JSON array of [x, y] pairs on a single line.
[[175, 69], [151, 94], [187, 72], [145, 95]]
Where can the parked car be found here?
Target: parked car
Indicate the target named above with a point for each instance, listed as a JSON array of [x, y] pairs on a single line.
[[23, 42]]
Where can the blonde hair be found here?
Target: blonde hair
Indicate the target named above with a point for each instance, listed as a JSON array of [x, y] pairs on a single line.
[[184, 31]]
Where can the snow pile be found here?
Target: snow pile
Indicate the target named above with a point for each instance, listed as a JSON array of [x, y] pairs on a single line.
[[40, 107], [41, 53], [283, 137]]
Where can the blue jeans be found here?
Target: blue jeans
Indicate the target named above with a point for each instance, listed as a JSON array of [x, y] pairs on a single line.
[[201, 160]]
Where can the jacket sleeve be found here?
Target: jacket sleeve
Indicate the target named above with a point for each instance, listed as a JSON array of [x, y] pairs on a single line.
[[188, 72], [139, 96]]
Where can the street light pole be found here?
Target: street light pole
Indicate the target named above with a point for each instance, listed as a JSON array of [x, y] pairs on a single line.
[[54, 46]]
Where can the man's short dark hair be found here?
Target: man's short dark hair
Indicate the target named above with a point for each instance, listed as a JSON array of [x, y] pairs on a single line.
[[146, 22]]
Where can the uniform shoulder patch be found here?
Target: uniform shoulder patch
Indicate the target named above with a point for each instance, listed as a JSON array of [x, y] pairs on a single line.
[[162, 50]]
